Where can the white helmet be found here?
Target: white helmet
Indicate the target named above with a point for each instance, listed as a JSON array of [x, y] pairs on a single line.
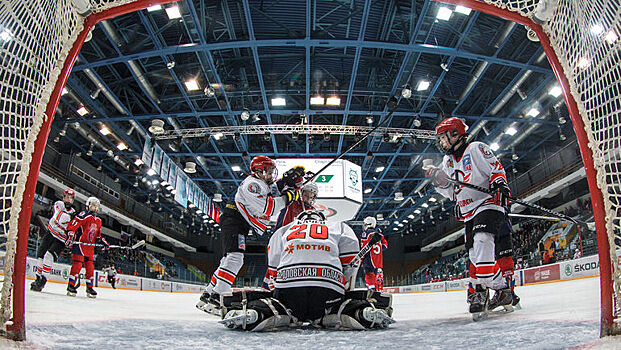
[[312, 188], [370, 221], [311, 215], [92, 200]]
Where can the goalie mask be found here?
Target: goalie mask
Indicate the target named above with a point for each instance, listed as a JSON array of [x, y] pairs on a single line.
[[311, 215], [450, 135]]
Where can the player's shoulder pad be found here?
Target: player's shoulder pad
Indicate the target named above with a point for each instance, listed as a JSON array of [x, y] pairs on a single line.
[[253, 186], [482, 148]]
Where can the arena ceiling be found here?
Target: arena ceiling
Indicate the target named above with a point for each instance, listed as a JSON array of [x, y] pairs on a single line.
[[243, 54]]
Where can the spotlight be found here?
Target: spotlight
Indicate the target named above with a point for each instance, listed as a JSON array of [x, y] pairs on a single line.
[[236, 136], [406, 92], [157, 126], [267, 136], [209, 91], [326, 136], [295, 135], [369, 120], [386, 137], [190, 167], [170, 65], [311, 139], [245, 115]]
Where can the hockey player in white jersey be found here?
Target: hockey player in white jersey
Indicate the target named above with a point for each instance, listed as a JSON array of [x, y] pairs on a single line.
[[483, 214], [54, 240], [309, 260], [258, 201]]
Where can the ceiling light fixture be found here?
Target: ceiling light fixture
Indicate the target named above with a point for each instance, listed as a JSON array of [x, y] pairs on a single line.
[[463, 10], [317, 100], [82, 111], [104, 130], [173, 12], [121, 146], [555, 91], [333, 101], [511, 131], [190, 167], [279, 101], [379, 169], [192, 85], [444, 13], [423, 85], [157, 126]]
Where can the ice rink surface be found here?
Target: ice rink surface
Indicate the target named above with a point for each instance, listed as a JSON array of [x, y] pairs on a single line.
[[554, 316]]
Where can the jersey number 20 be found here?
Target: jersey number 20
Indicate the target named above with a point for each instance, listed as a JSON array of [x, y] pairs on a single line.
[[316, 231]]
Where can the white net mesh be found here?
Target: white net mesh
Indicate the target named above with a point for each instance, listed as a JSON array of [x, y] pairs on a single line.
[[35, 39], [585, 36]]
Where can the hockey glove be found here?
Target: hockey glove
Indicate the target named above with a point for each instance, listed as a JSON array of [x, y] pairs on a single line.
[[500, 192], [69, 240], [457, 212], [438, 177], [292, 177], [291, 195]]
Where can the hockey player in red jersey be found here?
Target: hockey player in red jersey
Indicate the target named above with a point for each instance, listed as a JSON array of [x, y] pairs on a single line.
[[373, 263], [311, 262], [84, 228], [308, 195], [257, 200], [475, 163], [53, 241]]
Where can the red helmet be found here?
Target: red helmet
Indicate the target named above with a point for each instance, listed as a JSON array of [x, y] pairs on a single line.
[[69, 192], [260, 163], [450, 124], [259, 166]]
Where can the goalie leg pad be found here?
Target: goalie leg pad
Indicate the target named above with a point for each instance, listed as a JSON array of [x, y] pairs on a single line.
[[361, 310], [258, 314]]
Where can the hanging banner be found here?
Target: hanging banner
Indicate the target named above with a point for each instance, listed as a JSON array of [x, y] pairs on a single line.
[[147, 152], [191, 192], [157, 158], [172, 175], [181, 196], [165, 166]]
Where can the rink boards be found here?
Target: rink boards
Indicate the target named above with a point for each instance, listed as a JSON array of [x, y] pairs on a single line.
[[564, 270], [59, 273]]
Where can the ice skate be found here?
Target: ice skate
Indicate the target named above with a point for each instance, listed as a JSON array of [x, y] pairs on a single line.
[[210, 304], [91, 293], [71, 290], [502, 297], [516, 301], [239, 318], [38, 284], [478, 303]]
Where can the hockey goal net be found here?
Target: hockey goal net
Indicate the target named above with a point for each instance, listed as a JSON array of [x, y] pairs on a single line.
[[40, 40]]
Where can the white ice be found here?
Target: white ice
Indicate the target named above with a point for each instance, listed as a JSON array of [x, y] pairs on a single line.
[[554, 316]]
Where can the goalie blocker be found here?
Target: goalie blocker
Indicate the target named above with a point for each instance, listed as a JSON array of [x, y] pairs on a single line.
[[261, 311]]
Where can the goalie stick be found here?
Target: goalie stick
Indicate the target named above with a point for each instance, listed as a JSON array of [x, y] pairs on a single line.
[[136, 245], [393, 103]]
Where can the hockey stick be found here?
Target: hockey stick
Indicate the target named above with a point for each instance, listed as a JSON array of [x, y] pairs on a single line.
[[515, 200], [393, 103], [515, 215], [137, 245], [367, 248]]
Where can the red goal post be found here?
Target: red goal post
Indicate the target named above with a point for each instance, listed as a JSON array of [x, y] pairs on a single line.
[[39, 43], [587, 66]]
